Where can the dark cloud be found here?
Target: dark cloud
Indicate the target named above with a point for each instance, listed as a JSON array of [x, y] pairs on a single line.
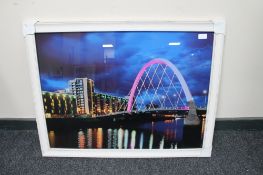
[[64, 56]]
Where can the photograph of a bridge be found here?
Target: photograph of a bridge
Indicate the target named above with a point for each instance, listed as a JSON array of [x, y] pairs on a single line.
[[125, 90]]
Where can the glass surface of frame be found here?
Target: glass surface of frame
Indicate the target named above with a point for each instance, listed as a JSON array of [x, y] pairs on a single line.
[[125, 92]]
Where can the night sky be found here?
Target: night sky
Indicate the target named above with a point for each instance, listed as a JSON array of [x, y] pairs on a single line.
[[65, 56]]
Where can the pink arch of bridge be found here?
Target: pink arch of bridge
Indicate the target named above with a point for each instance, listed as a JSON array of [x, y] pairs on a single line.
[[178, 74]]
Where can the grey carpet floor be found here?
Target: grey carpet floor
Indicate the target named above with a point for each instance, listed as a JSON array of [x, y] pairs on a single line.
[[234, 152]]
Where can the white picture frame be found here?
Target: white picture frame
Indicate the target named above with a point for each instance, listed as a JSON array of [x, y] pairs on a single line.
[[30, 28]]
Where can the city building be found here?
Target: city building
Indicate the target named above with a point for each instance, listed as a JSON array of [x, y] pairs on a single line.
[[59, 104], [107, 104], [83, 89], [94, 104]]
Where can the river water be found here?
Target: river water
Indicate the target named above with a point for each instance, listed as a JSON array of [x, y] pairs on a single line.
[[167, 134]]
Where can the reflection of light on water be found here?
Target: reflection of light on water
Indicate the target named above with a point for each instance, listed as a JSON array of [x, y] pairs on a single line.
[[126, 136], [99, 138], [149, 135], [162, 143], [167, 133], [81, 139], [133, 136], [203, 128], [51, 136], [94, 137], [168, 121], [174, 146], [151, 141], [89, 138], [174, 136], [109, 138], [114, 138], [152, 126], [141, 140], [120, 138]]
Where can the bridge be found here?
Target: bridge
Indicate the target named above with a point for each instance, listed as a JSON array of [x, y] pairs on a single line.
[[159, 85]]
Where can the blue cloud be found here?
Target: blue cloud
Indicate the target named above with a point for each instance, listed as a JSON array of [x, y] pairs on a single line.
[[82, 55]]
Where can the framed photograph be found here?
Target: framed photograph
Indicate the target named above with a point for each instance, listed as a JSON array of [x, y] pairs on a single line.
[[125, 89]]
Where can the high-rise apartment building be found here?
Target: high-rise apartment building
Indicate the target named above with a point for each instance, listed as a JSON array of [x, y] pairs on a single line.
[[107, 104], [83, 89]]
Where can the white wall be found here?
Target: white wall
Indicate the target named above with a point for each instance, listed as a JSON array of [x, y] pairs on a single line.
[[241, 92]]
